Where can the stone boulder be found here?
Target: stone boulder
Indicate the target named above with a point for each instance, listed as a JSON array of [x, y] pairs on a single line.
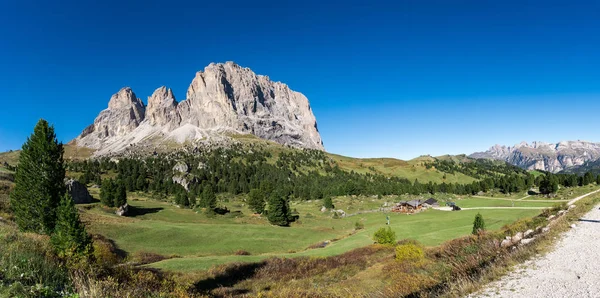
[[78, 192], [526, 241], [340, 212], [181, 167], [517, 238], [528, 234], [123, 210], [505, 243]]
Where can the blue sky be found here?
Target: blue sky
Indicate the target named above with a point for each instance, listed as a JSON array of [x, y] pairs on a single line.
[[384, 78]]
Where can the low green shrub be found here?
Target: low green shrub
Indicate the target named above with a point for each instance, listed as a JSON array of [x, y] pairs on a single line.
[[359, 225], [385, 236]]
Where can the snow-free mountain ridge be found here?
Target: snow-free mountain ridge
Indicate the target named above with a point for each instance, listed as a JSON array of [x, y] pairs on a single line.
[[551, 157], [224, 98]]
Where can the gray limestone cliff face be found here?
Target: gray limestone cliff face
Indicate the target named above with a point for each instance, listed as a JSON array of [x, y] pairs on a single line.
[[162, 108], [230, 96], [124, 114], [224, 97], [552, 157]]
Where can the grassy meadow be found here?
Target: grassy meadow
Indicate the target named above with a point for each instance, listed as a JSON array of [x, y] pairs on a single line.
[[192, 241]]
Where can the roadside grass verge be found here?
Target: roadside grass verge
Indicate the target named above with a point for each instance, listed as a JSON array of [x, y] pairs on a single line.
[[543, 244]]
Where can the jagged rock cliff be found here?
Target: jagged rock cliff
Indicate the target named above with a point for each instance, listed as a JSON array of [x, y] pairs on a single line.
[[124, 114], [544, 156], [225, 97]]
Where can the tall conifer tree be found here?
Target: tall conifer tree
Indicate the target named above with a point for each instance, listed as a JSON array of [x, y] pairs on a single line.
[[39, 181], [69, 235]]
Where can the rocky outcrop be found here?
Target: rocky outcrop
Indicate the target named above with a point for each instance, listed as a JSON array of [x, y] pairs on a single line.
[[162, 108], [545, 156], [224, 98], [181, 175], [123, 210], [78, 192], [124, 114]]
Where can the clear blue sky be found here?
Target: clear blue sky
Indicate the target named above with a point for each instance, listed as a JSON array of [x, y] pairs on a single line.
[[397, 78]]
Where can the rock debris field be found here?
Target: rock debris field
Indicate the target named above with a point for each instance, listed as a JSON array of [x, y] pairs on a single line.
[[572, 269]]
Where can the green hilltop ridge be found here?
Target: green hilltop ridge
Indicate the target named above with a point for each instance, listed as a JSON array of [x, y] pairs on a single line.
[[414, 169]]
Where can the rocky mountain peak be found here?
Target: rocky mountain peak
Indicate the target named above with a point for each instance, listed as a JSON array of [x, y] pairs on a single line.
[[162, 107], [124, 99], [162, 96], [552, 157], [224, 97]]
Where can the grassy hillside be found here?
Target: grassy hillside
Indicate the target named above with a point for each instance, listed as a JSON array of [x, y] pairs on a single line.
[[71, 153], [10, 157], [411, 170]]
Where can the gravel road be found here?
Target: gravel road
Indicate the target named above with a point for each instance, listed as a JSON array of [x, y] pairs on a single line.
[[572, 269]]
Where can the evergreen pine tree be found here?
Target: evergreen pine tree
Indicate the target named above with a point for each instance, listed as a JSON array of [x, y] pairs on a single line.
[[107, 193], [120, 195], [191, 198], [328, 203], [279, 213], [39, 181], [588, 178], [208, 199], [69, 235], [549, 185], [478, 224], [553, 184], [140, 183], [181, 198], [256, 200]]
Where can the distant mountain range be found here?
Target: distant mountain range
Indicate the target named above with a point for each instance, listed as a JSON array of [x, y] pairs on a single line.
[[223, 99], [568, 156]]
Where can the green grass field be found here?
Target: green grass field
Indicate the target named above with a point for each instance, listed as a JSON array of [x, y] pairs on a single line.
[[481, 202], [431, 228], [197, 242]]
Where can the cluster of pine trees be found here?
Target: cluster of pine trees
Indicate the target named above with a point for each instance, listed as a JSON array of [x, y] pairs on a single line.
[[476, 168], [305, 174], [39, 200], [297, 174], [113, 193]]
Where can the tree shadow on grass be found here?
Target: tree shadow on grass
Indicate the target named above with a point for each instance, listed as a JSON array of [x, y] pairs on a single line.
[[138, 211], [94, 200], [118, 251], [231, 275]]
